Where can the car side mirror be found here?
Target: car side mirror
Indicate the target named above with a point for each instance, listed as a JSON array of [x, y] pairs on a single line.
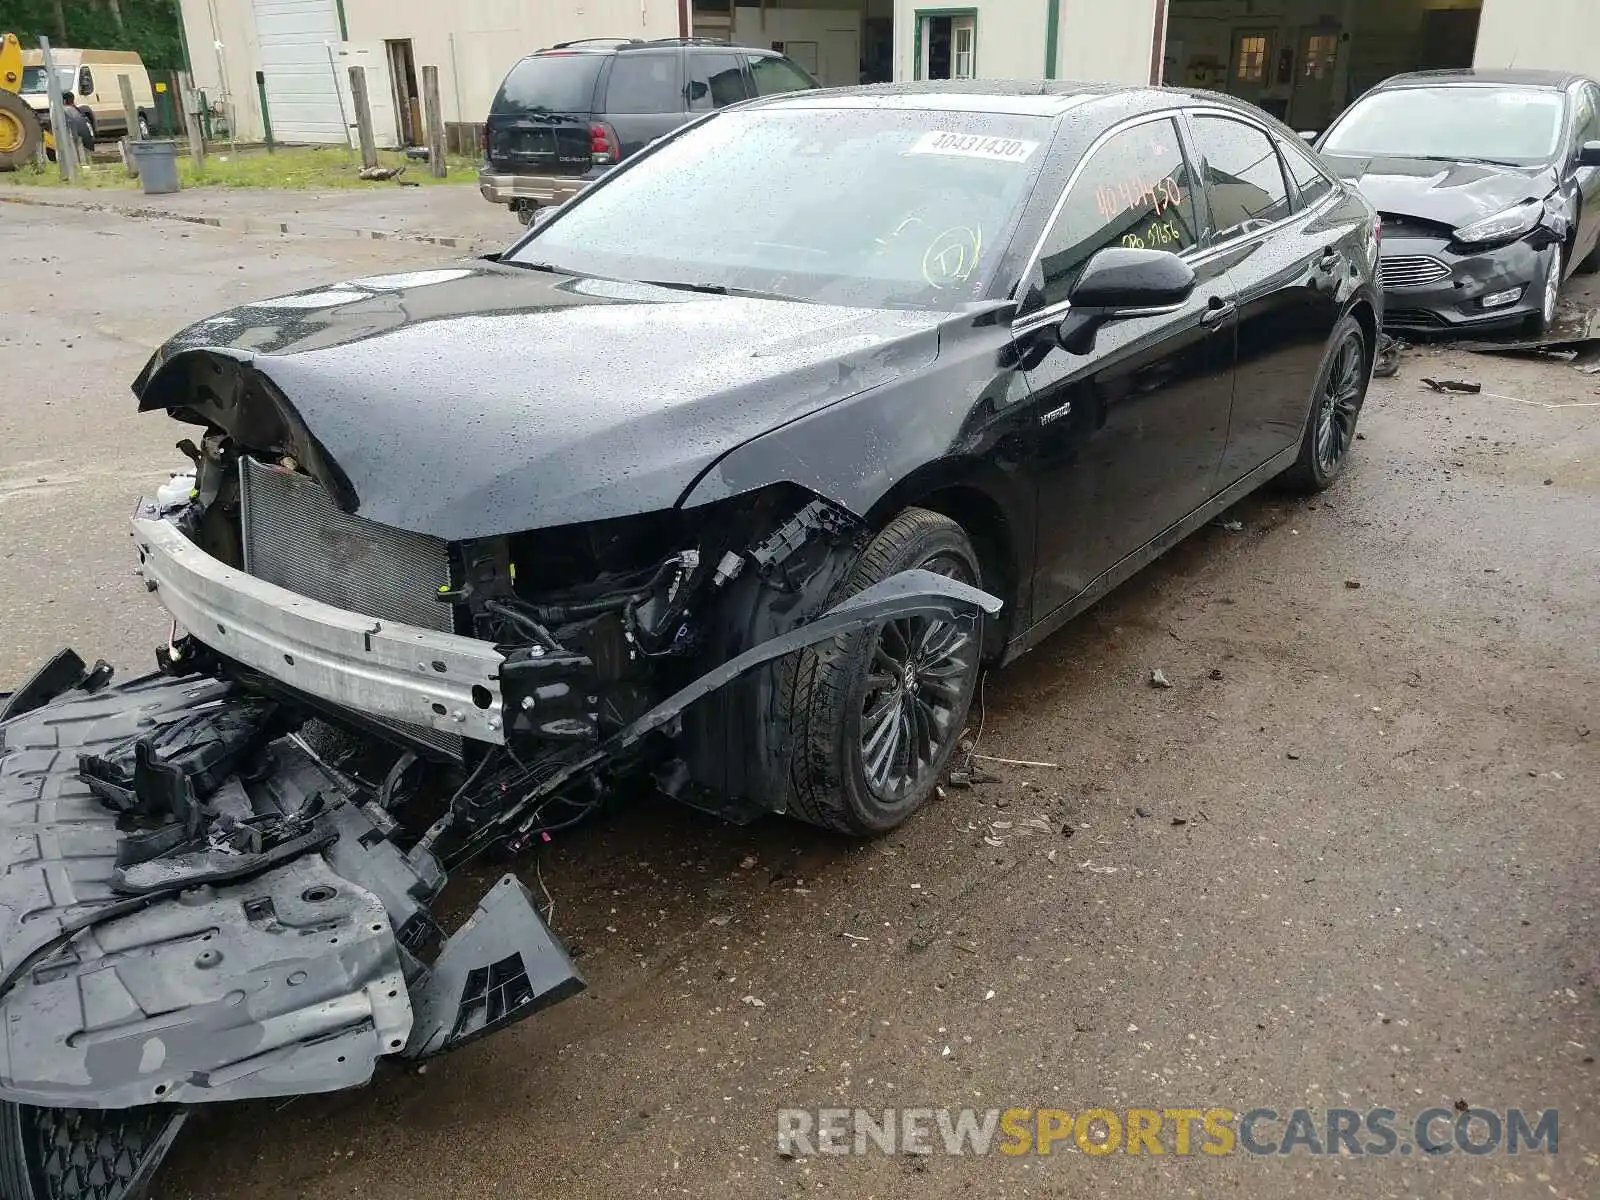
[[1122, 282], [542, 214], [1589, 154], [1309, 136]]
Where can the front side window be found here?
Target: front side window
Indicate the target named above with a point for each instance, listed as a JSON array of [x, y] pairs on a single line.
[[1309, 179], [644, 83], [870, 207], [1135, 190], [1586, 119], [1243, 178], [1514, 126], [773, 75], [716, 80]]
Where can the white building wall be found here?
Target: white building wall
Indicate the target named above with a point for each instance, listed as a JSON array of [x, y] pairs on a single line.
[[1096, 40], [1010, 41], [1561, 35], [1106, 42], [472, 42]]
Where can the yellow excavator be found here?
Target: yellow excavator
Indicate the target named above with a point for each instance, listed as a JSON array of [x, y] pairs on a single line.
[[19, 127]]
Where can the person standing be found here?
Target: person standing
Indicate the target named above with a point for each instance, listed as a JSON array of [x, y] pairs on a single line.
[[78, 126]]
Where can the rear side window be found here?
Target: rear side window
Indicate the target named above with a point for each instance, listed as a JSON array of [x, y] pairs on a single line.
[[773, 75], [1135, 191], [1312, 182], [644, 83], [716, 80], [561, 83], [1243, 178]]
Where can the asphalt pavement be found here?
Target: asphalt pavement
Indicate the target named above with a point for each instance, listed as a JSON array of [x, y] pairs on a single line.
[[1348, 860]]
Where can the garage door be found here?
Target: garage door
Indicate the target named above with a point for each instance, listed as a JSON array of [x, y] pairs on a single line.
[[293, 36]]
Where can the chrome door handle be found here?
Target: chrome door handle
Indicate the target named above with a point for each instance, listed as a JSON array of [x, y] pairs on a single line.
[[1218, 310]]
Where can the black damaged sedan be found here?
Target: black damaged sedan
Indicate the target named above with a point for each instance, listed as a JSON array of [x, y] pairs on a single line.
[[1488, 183], [724, 483]]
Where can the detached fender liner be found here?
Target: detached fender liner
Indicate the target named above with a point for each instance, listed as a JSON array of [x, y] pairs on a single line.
[[380, 668]]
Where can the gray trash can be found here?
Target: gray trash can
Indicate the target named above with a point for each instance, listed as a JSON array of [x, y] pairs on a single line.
[[157, 161]]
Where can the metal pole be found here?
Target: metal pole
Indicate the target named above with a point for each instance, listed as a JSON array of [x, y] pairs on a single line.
[[455, 84], [358, 94], [66, 144], [266, 117], [435, 117], [338, 92]]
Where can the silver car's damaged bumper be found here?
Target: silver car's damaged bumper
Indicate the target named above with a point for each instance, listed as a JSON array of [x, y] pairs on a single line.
[[381, 668]]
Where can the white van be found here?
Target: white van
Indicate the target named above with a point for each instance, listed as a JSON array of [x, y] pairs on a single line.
[[91, 75]]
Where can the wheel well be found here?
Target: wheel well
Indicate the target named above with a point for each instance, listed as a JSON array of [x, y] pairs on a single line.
[[1368, 320], [985, 524]]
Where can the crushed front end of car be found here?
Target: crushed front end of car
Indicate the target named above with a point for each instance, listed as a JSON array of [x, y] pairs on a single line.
[[220, 879]]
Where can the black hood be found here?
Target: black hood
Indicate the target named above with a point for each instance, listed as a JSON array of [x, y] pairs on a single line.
[[1451, 194], [481, 399]]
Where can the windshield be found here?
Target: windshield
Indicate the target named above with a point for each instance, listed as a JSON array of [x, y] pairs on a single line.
[[33, 80], [556, 81], [1516, 126], [843, 206]]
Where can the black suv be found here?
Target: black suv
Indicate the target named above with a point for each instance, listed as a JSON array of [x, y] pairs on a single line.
[[566, 114]]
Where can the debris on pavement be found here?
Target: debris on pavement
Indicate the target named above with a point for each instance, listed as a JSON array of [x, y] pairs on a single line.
[[1352, 584], [753, 1001], [1230, 524], [1158, 679], [1463, 386], [1387, 364], [1140, 811], [1016, 762]]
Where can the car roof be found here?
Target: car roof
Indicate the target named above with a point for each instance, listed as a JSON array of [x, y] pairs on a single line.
[[1508, 77], [603, 45], [1045, 98]]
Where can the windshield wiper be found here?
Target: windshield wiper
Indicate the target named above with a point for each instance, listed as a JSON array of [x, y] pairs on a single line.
[[1464, 158], [547, 268], [719, 289]]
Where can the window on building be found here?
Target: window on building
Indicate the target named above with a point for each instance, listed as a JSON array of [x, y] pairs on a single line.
[[1242, 174], [1135, 191], [644, 83], [716, 80], [1320, 52], [1250, 59], [949, 47]]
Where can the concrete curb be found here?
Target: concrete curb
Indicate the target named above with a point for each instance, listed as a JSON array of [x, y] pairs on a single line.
[[259, 225]]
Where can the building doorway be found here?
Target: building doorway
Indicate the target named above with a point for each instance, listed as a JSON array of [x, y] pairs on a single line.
[[947, 45], [407, 96]]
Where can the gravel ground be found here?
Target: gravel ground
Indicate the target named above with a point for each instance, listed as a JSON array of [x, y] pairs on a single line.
[[1347, 859]]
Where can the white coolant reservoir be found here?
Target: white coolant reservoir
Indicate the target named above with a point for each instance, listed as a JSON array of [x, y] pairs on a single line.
[[176, 492]]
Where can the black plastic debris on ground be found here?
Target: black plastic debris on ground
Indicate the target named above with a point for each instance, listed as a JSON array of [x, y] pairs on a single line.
[[1464, 387], [1574, 324]]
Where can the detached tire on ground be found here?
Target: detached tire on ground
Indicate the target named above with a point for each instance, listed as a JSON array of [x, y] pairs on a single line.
[[1336, 400], [873, 716]]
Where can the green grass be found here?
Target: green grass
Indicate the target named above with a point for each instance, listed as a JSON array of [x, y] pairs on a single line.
[[299, 168]]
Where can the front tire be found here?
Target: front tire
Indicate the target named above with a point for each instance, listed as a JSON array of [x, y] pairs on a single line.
[[1549, 285], [872, 717], [1336, 400]]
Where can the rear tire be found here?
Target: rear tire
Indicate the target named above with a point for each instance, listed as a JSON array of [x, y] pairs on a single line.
[[1336, 400], [872, 717]]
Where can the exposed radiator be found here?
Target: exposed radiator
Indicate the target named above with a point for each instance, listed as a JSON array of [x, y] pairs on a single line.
[[294, 536]]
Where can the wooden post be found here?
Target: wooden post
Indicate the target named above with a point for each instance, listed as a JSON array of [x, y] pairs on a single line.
[[358, 93], [197, 131], [130, 114], [435, 120], [66, 144]]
